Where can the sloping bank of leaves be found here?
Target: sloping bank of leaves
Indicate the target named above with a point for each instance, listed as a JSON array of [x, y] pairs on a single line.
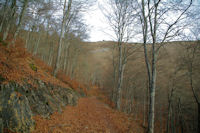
[[28, 89]]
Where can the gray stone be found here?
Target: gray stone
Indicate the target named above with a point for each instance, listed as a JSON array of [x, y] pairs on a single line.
[[18, 103]]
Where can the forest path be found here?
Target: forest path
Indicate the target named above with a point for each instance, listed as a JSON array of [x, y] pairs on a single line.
[[89, 116]]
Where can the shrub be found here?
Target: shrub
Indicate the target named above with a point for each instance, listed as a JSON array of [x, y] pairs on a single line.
[[1, 78], [3, 42], [33, 67]]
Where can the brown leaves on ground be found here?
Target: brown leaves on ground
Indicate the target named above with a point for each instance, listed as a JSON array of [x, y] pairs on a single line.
[[89, 116], [18, 65], [77, 86]]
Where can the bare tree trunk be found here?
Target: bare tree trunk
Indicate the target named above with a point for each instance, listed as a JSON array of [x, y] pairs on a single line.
[[67, 60], [198, 128], [4, 15], [51, 54], [169, 117], [152, 103], [10, 19], [144, 109], [120, 76], [152, 89], [170, 96], [27, 38], [172, 120], [47, 33], [20, 20], [152, 22], [38, 41], [66, 50], [113, 94], [153, 28], [30, 40], [148, 67], [161, 121], [50, 60], [180, 115], [65, 17], [122, 17], [73, 70], [5, 35], [37, 45]]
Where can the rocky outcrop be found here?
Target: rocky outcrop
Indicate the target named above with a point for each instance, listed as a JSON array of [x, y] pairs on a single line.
[[19, 103]]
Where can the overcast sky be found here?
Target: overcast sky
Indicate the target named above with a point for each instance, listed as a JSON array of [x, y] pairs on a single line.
[[99, 28]]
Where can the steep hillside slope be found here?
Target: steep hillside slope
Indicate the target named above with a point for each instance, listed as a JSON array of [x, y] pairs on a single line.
[[28, 89]]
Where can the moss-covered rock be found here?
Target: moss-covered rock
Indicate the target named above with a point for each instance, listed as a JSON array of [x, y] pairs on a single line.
[[15, 110], [18, 103]]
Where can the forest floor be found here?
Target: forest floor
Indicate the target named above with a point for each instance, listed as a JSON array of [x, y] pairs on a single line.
[[90, 116]]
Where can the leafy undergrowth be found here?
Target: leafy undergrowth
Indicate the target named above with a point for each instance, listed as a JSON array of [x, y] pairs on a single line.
[[77, 86], [89, 116], [18, 65]]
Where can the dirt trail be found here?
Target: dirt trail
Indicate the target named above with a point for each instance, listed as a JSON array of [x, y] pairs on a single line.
[[89, 116]]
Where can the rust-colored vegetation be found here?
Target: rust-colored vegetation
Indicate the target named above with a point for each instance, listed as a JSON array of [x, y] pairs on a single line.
[[89, 116], [81, 88], [18, 65]]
